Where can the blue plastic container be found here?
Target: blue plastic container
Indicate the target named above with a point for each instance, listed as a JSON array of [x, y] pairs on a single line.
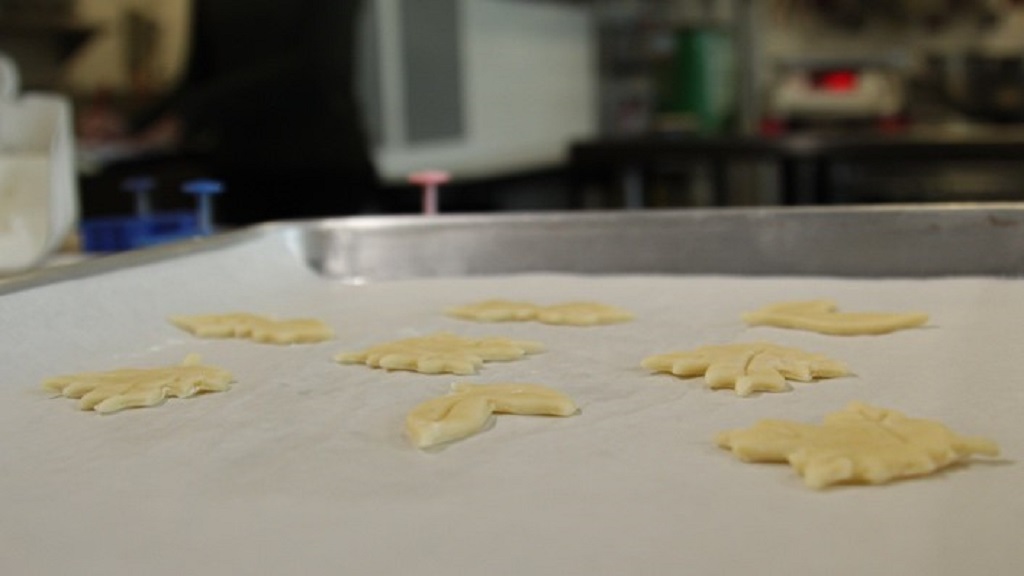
[[118, 233], [149, 228]]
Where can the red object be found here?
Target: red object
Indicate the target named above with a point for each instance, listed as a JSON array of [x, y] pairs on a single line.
[[835, 80]]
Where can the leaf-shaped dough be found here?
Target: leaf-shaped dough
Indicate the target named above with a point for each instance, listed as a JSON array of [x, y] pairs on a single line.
[[821, 316], [439, 353], [495, 311], [860, 444], [256, 328], [469, 407], [747, 367], [582, 314], [115, 390], [567, 314]]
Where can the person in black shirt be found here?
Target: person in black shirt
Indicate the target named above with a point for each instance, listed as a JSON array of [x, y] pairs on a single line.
[[267, 100]]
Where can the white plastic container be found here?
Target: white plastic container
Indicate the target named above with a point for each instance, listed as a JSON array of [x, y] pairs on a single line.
[[38, 187]]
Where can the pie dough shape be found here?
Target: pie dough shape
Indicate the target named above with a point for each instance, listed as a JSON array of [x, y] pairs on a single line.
[[567, 314], [439, 353], [860, 444], [469, 408], [115, 390], [747, 367], [496, 311], [582, 314], [821, 316], [256, 328]]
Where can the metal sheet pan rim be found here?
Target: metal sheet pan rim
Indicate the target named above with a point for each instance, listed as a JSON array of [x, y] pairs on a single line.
[[299, 233]]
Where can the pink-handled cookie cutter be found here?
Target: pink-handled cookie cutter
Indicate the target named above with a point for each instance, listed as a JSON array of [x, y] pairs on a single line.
[[429, 180]]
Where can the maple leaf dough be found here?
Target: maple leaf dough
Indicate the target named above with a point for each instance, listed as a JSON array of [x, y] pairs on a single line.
[[860, 444], [747, 367], [496, 311], [115, 390], [821, 316], [582, 314], [256, 328], [567, 314], [469, 407], [439, 353]]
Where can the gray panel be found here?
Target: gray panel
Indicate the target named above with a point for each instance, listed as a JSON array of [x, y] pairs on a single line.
[[432, 69]]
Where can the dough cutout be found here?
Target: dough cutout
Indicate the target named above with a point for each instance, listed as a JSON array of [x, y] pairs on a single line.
[[442, 352], [567, 314], [821, 316], [107, 392], [748, 367], [860, 444], [469, 408], [496, 311], [255, 328], [582, 314]]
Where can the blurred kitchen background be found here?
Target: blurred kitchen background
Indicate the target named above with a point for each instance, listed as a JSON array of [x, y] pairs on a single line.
[[552, 104]]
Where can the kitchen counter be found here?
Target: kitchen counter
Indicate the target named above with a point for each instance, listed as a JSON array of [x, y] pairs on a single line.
[[805, 162]]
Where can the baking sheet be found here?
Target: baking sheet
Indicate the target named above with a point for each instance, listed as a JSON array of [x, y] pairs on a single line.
[[302, 465]]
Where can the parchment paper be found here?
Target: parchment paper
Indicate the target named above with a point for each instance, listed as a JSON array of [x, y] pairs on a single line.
[[302, 466]]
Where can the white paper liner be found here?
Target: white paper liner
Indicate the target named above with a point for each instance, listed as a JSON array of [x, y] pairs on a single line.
[[302, 465]]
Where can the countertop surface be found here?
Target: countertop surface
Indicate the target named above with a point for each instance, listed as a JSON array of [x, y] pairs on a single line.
[[928, 141]]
